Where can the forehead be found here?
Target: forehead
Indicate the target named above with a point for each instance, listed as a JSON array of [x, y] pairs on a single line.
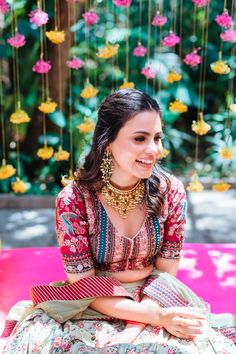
[[145, 120]]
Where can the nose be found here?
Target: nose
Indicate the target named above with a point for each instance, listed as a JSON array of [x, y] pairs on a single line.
[[155, 147]]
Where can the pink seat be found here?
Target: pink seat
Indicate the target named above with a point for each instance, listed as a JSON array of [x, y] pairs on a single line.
[[209, 269]]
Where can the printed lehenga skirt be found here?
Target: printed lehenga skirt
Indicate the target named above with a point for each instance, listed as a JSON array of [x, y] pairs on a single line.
[[58, 319]]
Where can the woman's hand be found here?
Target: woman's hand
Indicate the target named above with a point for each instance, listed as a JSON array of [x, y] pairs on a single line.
[[182, 322]]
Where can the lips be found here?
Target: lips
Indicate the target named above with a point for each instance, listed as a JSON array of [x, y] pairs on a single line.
[[145, 163]]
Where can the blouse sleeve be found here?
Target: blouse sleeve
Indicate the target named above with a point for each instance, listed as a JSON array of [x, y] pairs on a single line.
[[174, 224], [72, 231]]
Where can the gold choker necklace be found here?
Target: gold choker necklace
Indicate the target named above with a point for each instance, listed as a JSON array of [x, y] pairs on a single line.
[[124, 201]]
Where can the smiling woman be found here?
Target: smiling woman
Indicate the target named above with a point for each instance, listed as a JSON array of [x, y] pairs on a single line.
[[120, 227]]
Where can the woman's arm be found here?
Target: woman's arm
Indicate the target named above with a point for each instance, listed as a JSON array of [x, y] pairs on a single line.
[[167, 265]]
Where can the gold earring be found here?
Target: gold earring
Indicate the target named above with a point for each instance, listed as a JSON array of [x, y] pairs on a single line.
[[106, 166]]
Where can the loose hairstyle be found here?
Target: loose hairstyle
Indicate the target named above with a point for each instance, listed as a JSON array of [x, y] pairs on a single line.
[[113, 113]]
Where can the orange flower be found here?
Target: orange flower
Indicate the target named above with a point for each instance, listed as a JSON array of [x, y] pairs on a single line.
[[195, 185], [19, 117], [220, 67], [173, 76], [178, 106], [127, 84], [6, 171], [108, 51], [61, 155], [165, 153], [56, 37], [200, 127], [89, 91], [45, 153], [221, 186], [47, 107], [87, 126], [19, 186]]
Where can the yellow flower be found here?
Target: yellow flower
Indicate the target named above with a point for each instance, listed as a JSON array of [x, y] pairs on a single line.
[[173, 76], [47, 107], [195, 185], [89, 91], [165, 153], [232, 107], [200, 127], [226, 153], [127, 84], [220, 67], [221, 187], [61, 154], [66, 179], [45, 153], [87, 126], [178, 106], [19, 186], [6, 171], [19, 117], [108, 51], [56, 36]]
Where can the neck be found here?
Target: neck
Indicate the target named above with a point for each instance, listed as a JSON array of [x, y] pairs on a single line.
[[124, 187]]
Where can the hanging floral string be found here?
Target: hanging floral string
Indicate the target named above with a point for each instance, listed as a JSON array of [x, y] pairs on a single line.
[[19, 116]]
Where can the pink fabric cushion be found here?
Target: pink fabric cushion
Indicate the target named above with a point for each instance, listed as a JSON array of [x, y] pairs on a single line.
[[208, 269]]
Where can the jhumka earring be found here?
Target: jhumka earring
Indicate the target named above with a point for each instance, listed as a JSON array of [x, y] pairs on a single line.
[[106, 166]]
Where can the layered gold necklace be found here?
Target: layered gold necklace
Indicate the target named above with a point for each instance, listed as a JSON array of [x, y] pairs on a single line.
[[124, 201]]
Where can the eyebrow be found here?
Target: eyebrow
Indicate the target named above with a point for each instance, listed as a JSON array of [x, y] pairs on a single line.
[[146, 133]]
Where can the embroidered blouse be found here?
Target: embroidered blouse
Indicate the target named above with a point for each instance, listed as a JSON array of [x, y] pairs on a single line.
[[88, 240]]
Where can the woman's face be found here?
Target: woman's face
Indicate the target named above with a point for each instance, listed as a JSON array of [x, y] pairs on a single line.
[[136, 148]]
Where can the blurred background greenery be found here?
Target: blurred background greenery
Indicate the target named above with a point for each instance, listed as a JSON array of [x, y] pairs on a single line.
[[44, 177]]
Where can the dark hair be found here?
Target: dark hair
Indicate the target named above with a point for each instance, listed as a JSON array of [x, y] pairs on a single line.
[[113, 113]]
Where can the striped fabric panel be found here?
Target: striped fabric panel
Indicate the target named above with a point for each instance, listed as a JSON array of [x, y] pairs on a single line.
[[162, 294], [230, 333], [9, 326], [83, 288]]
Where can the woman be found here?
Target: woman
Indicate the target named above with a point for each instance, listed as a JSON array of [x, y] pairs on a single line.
[[120, 230]]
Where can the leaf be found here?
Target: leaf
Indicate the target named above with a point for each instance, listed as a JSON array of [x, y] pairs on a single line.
[[170, 117], [52, 139], [58, 118]]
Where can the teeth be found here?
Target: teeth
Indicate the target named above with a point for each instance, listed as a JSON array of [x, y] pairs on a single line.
[[147, 162]]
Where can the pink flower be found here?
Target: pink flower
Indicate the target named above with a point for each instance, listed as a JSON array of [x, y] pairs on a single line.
[[4, 7], [90, 18], [122, 3], [224, 20], [42, 67], [139, 51], [148, 73], [38, 17], [171, 40], [192, 59], [200, 3], [159, 20], [228, 36], [75, 63], [17, 41]]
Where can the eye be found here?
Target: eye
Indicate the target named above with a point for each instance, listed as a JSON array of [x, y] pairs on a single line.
[[140, 138], [158, 138]]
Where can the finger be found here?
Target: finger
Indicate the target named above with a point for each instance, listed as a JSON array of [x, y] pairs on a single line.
[[191, 331], [182, 335], [186, 322], [191, 312]]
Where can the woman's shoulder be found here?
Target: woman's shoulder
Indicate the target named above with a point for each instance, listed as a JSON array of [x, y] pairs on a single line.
[[171, 183], [73, 191]]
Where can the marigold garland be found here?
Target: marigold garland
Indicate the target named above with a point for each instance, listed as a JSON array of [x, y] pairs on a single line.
[[178, 106], [87, 126], [56, 37], [232, 107], [61, 155], [6, 171], [173, 76], [195, 185], [47, 107], [108, 51], [127, 84], [45, 152], [89, 91], [220, 67], [164, 153], [19, 117], [200, 127], [19, 186], [221, 186]]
